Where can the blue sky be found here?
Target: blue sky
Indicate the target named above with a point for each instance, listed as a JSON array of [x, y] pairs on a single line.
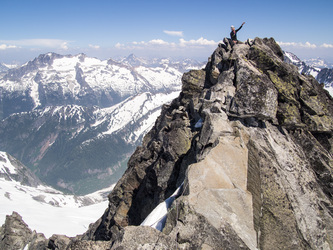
[[182, 28]]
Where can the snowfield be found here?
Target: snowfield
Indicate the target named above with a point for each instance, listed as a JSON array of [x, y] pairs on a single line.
[[43, 208], [132, 110], [68, 215]]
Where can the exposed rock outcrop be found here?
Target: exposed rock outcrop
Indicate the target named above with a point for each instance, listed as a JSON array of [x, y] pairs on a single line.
[[15, 234], [251, 141], [258, 173]]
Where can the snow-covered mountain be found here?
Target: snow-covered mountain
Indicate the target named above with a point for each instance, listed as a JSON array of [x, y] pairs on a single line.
[[78, 148], [303, 67], [53, 80], [318, 68], [318, 63], [75, 120], [180, 65], [44, 208]]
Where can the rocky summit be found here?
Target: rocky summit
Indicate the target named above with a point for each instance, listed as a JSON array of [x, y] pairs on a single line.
[[248, 147]]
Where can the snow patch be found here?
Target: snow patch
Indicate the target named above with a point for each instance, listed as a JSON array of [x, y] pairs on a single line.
[[44, 206], [35, 94], [132, 109], [330, 90], [5, 165], [157, 218], [199, 123], [292, 57]]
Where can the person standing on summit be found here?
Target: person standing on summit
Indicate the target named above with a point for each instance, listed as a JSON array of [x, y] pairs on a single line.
[[233, 34]]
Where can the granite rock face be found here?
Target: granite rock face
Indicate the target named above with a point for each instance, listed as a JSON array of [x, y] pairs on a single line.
[[15, 234], [250, 140]]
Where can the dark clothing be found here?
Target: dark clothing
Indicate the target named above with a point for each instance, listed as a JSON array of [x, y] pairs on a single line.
[[233, 34]]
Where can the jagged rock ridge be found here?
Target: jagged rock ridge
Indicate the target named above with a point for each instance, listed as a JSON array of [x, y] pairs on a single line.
[[251, 139], [265, 126]]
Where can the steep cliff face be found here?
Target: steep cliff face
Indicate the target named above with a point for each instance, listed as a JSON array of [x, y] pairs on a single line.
[[249, 139], [252, 141]]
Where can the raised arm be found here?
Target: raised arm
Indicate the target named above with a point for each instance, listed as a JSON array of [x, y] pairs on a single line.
[[240, 26]]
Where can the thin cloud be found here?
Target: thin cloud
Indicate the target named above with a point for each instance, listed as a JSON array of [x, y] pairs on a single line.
[[325, 45], [151, 42], [119, 45], [158, 43], [48, 43], [94, 46], [5, 47], [298, 45], [199, 42], [305, 45], [173, 33]]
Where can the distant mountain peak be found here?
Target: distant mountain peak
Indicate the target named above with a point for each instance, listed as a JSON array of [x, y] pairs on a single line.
[[319, 63], [134, 61], [47, 58], [318, 68]]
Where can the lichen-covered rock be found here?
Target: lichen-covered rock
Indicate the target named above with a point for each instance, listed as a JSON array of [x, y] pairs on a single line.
[[255, 96], [193, 82], [291, 213]]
